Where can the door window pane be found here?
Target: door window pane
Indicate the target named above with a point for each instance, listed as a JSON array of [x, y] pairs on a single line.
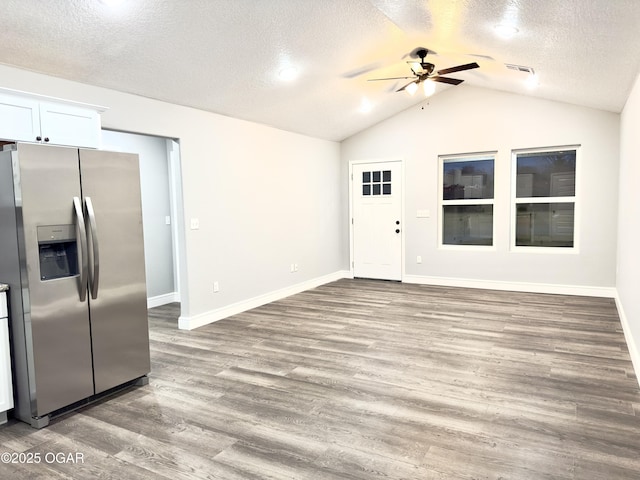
[[467, 224], [372, 183], [544, 224]]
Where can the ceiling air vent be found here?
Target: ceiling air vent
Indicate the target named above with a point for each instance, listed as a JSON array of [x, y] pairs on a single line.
[[520, 68]]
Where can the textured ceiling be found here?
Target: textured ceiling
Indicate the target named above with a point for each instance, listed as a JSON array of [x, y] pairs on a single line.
[[225, 55]]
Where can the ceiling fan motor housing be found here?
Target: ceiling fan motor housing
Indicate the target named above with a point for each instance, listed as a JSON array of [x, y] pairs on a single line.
[[427, 68]]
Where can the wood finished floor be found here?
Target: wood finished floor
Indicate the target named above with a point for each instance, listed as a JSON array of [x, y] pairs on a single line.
[[363, 379]]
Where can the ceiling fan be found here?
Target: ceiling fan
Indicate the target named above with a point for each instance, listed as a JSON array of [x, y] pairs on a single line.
[[423, 71]]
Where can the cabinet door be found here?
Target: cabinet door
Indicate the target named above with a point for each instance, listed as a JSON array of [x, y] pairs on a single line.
[[6, 386], [19, 118], [69, 125]]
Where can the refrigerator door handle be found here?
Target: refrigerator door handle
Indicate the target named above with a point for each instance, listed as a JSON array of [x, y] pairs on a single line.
[[94, 273], [82, 239]]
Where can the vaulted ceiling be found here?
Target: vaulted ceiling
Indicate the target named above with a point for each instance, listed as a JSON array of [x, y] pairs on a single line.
[[226, 56]]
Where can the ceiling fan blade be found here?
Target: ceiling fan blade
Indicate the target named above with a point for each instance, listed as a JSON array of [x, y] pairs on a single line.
[[459, 68], [390, 78], [402, 88], [362, 70], [450, 81]]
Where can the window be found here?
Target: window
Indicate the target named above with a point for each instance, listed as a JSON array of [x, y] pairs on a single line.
[[545, 198], [467, 200]]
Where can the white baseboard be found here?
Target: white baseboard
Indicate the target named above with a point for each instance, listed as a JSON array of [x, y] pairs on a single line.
[[584, 291], [634, 353], [160, 300], [195, 321]]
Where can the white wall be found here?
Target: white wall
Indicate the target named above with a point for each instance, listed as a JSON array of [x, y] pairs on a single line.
[[265, 198], [156, 205], [467, 119], [628, 281]]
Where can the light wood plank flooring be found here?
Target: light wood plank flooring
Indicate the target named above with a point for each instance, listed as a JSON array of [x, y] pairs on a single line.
[[362, 379]]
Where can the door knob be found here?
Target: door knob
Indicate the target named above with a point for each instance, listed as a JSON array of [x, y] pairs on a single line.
[[397, 230], [397, 222]]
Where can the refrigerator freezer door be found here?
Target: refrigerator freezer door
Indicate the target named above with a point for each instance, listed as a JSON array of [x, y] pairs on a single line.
[[55, 318], [119, 326]]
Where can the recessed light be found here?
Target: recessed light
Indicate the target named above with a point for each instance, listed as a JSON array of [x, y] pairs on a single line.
[[532, 81], [505, 30], [365, 106], [112, 3], [288, 74]]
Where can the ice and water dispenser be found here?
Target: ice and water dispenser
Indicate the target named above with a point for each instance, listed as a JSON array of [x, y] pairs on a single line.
[[58, 251]]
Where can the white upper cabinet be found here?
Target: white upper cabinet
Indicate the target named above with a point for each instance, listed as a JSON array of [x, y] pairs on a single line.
[[19, 118], [33, 118], [69, 125]]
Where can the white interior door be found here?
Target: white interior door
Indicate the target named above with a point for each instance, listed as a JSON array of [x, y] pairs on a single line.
[[376, 197]]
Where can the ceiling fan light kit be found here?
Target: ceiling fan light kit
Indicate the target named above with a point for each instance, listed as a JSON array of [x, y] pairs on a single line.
[[423, 73], [429, 88]]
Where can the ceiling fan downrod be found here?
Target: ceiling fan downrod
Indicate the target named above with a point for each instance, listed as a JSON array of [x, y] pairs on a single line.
[[427, 68]]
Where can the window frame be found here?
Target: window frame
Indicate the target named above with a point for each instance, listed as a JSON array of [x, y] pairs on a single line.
[[465, 157], [575, 200]]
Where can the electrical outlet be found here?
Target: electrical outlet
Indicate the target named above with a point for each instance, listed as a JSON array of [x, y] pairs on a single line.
[[295, 267], [419, 259], [195, 224], [216, 287]]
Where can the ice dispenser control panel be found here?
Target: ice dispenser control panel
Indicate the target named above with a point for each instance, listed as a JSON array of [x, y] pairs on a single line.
[[58, 251]]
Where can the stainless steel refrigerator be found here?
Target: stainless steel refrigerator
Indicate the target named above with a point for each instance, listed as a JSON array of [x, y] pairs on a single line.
[[71, 250]]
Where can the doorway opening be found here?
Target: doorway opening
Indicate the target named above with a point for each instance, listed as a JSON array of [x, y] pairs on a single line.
[[162, 212]]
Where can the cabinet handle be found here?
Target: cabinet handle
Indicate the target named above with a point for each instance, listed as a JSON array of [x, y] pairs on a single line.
[[38, 138], [46, 139]]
